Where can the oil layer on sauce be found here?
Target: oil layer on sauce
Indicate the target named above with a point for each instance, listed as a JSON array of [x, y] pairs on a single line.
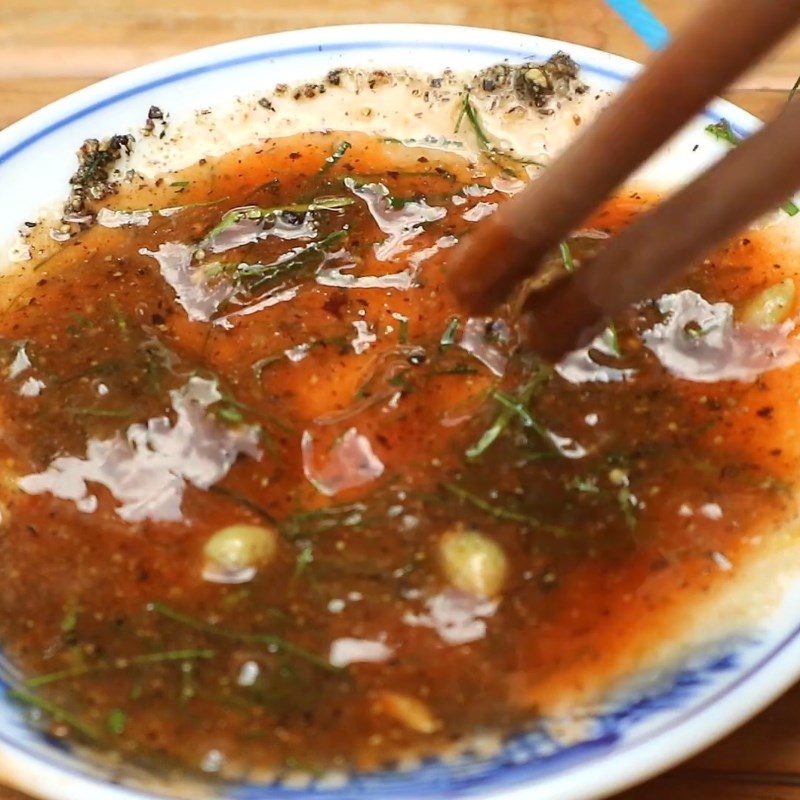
[[270, 501]]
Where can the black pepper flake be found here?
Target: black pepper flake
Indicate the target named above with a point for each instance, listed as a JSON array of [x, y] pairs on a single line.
[[154, 115], [335, 303], [92, 179], [264, 103], [378, 77]]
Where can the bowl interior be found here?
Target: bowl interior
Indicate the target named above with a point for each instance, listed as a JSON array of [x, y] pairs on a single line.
[[638, 733]]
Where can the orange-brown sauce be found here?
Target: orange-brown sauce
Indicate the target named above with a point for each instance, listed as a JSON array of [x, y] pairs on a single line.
[[603, 555]]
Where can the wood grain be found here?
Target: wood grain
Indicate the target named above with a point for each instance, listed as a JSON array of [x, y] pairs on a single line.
[[49, 48]]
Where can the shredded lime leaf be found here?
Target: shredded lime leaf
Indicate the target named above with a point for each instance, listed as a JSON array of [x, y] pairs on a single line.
[[229, 413], [304, 558], [334, 157], [793, 90], [722, 130], [305, 524], [268, 639], [496, 511], [611, 339], [55, 711], [116, 721], [70, 620], [118, 664], [512, 406], [267, 272], [259, 212], [566, 257], [100, 412], [484, 142], [403, 332], [449, 335]]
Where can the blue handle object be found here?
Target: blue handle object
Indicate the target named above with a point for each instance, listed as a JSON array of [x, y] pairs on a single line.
[[643, 22]]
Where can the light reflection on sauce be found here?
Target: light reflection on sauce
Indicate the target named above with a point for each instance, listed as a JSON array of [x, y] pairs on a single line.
[[147, 469], [699, 341]]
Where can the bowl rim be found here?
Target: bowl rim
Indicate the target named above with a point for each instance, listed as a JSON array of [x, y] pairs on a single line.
[[598, 775]]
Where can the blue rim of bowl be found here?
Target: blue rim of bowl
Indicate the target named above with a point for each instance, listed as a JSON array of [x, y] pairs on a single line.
[[522, 772], [340, 47]]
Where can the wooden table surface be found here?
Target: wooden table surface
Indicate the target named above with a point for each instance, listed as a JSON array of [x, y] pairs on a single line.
[[49, 48]]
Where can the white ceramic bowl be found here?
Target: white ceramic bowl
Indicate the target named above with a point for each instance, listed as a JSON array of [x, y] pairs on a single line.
[[644, 732]]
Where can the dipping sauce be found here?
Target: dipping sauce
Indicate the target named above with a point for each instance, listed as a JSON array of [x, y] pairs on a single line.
[[271, 502]]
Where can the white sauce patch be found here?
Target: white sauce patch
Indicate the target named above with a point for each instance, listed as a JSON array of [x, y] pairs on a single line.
[[271, 298], [715, 348], [214, 574], [31, 387], [404, 280], [20, 363], [473, 190], [146, 470], [247, 231], [349, 463], [456, 616], [474, 340], [122, 219], [711, 511], [199, 299], [248, 673], [401, 224], [347, 651], [241, 233], [722, 562], [364, 337], [19, 252], [335, 276], [298, 353], [568, 447], [579, 366], [442, 243], [508, 185], [479, 211]]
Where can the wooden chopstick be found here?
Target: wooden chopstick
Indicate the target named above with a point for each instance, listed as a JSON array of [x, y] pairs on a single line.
[[640, 262], [722, 41]]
